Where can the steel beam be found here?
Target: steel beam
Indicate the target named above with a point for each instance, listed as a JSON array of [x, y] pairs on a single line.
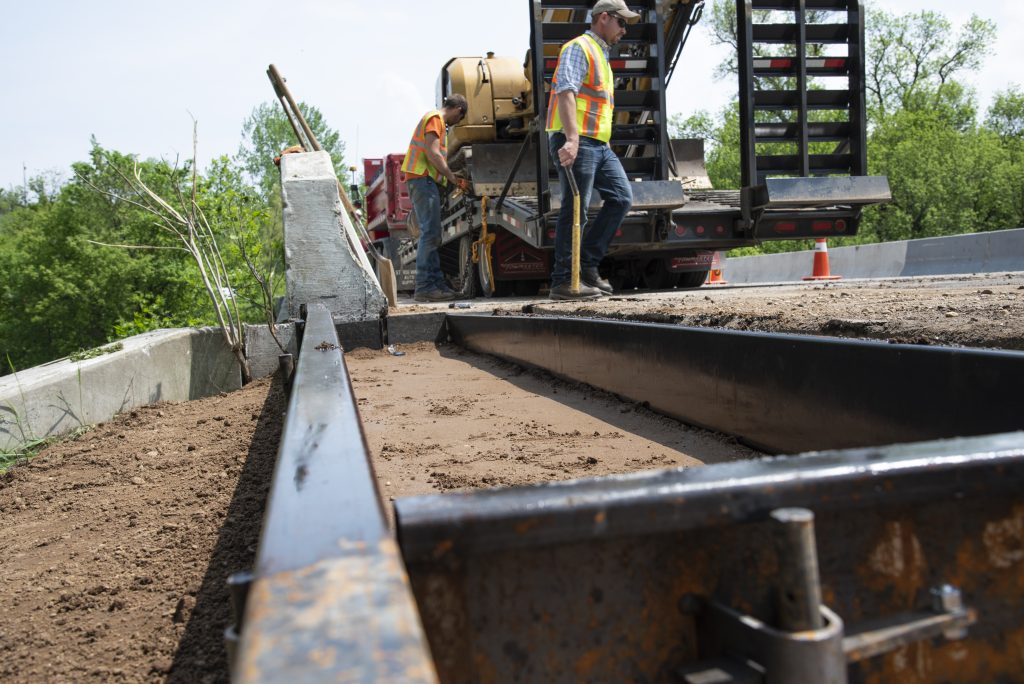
[[331, 599], [779, 393]]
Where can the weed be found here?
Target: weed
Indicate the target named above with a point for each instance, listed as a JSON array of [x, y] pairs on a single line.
[[29, 450], [84, 354]]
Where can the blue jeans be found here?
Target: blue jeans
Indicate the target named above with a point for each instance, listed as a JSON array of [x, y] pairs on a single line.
[[596, 167], [426, 202]]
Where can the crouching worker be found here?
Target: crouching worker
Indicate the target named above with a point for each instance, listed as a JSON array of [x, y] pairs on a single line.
[[426, 171]]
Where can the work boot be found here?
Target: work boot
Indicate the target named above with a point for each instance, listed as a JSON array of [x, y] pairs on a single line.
[[436, 295], [591, 277], [564, 292]]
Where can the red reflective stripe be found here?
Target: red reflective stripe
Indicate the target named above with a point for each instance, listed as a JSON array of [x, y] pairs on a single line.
[[781, 64], [550, 63], [839, 63]]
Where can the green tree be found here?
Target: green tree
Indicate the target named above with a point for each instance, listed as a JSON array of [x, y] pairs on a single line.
[[1006, 115], [266, 132], [61, 290], [1006, 120], [944, 179], [721, 135], [912, 58]]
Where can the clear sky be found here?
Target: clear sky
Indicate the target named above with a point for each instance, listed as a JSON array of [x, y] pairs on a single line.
[[133, 73]]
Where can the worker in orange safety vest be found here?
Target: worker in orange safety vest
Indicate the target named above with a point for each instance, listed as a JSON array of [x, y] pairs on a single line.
[[426, 171]]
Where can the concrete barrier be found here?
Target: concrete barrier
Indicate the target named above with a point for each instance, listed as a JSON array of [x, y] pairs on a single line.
[[1001, 250], [321, 264], [163, 365]]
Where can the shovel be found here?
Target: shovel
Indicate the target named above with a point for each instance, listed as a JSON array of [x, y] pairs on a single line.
[[385, 269]]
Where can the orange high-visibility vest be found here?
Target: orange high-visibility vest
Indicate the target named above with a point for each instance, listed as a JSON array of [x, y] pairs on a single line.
[[596, 97], [416, 161]]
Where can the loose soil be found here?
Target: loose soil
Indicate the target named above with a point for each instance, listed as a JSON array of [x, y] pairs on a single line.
[[442, 418], [968, 311], [117, 543]]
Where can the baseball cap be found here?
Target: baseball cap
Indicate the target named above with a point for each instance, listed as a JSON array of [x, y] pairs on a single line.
[[615, 7]]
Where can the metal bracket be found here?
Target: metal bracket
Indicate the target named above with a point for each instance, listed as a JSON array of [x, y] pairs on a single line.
[[809, 645], [948, 618]]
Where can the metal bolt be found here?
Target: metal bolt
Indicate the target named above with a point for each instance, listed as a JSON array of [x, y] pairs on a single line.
[[947, 599], [799, 590]]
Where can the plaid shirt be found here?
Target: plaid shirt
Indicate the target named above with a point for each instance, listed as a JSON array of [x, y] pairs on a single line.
[[572, 67]]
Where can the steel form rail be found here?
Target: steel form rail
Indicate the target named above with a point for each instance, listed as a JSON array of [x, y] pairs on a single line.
[[622, 578], [329, 582], [612, 578], [778, 393]]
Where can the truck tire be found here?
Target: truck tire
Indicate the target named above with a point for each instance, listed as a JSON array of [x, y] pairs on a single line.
[[657, 275], [692, 279], [465, 283]]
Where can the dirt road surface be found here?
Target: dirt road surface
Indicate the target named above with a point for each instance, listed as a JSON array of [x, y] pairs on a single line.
[[117, 543]]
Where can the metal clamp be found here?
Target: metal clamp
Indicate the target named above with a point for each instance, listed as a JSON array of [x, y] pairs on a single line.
[[809, 643]]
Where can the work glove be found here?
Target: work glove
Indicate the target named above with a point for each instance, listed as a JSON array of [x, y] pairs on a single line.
[[288, 150]]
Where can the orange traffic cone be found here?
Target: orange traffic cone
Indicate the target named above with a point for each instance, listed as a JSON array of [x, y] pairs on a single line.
[[821, 271], [715, 274]]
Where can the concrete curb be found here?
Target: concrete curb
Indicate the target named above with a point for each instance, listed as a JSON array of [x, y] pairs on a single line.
[[1001, 250], [163, 365]]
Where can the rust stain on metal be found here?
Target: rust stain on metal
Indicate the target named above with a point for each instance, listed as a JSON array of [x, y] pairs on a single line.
[[896, 564], [485, 673], [585, 664], [954, 661], [442, 547], [525, 526], [348, 618], [1004, 539]]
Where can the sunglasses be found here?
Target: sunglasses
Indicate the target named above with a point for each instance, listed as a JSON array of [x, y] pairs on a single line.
[[616, 17]]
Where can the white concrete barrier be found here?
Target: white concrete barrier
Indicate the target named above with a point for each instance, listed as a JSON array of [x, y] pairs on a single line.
[[163, 365], [1001, 250], [322, 263]]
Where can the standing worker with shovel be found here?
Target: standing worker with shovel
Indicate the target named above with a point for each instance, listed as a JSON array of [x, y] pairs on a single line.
[[426, 170], [579, 124]]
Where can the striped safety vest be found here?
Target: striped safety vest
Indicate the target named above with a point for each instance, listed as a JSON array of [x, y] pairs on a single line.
[[416, 161], [596, 97]]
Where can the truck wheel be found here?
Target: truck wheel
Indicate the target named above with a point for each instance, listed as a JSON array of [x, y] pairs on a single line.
[[658, 277], [692, 279], [465, 284]]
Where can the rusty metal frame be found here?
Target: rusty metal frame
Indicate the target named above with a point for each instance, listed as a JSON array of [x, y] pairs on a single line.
[[778, 393], [603, 579], [529, 582], [330, 600]]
